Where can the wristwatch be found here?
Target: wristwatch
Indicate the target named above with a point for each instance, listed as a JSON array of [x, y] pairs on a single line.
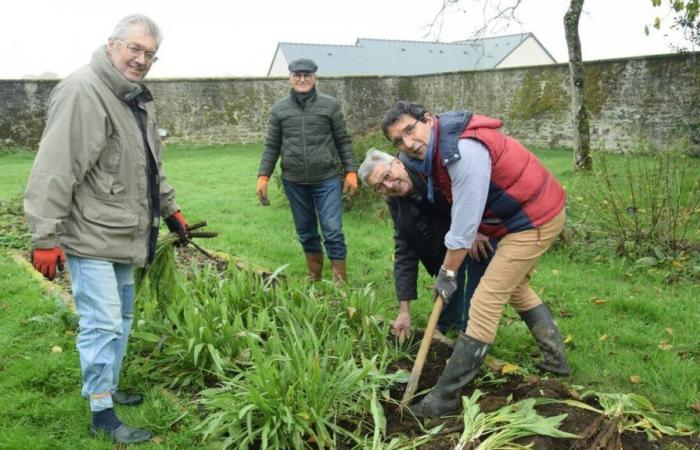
[[449, 273]]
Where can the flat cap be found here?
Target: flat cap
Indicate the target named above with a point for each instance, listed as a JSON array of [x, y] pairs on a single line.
[[302, 65]]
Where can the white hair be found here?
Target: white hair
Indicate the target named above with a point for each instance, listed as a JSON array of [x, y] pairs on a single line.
[[121, 31], [372, 158]]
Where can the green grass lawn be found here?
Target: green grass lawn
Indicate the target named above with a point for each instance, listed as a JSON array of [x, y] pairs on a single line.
[[622, 321]]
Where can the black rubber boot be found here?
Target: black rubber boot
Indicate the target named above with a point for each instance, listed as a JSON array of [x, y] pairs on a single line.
[[462, 367], [124, 434], [546, 333], [127, 398], [106, 422]]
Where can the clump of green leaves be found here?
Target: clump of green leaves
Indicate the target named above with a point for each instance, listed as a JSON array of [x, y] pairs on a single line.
[[501, 428], [296, 364], [161, 275], [199, 335], [304, 389]]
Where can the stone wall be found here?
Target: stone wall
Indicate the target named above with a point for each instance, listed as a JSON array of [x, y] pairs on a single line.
[[653, 100]]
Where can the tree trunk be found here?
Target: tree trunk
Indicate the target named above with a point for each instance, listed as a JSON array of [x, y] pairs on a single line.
[[582, 134]]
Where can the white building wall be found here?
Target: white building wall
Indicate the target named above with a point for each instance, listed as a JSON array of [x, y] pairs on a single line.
[[280, 66], [529, 53]]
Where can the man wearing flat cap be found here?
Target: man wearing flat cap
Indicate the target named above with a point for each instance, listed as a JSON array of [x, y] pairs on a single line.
[[307, 129]]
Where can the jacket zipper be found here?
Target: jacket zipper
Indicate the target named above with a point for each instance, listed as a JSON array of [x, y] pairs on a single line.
[[303, 137]]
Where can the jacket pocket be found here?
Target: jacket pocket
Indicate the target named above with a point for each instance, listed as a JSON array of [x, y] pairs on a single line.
[[112, 155], [109, 215]]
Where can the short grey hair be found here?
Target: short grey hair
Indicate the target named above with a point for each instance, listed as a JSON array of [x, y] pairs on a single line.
[[372, 158], [121, 31]]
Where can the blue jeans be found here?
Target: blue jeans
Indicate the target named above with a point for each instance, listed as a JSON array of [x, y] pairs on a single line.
[[456, 313], [104, 298], [314, 204]]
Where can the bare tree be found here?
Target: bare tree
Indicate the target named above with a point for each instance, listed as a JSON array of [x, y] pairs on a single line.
[[582, 132], [506, 12]]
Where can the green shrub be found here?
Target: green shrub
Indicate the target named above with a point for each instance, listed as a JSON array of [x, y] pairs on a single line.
[[642, 206]]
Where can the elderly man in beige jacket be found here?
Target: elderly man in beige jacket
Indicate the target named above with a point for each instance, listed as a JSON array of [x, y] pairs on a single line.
[[97, 192]]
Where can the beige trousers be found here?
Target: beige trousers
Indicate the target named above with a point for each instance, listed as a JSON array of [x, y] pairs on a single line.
[[507, 278]]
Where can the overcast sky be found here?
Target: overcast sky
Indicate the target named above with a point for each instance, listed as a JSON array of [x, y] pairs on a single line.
[[239, 38]]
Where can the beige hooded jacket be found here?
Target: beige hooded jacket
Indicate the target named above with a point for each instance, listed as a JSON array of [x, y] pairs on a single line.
[[88, 189]]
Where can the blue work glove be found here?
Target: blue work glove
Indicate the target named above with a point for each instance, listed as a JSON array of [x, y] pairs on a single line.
[[445, 284]]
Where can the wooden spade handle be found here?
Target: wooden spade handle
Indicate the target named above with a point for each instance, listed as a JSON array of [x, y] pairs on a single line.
[[422, 353]]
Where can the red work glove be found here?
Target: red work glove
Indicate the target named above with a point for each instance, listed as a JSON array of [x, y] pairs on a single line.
[[350, 184], [177, 224], [45, 260], [261, 190]]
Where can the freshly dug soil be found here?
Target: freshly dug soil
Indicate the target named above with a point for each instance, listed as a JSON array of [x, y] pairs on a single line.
[[596, 432]]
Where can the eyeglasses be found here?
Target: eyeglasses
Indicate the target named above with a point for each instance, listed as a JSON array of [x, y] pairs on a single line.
[[384, 178], [303, 75], [137, 50], [407, 131]]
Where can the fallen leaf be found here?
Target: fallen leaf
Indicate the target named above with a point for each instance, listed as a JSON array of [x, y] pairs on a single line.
[[509, 368], [56, 349], [599, 301], [669, 331], [603, 338], [565, 313], [351, 311], [157, 439], [695, 406], [664, 345], [568, 339], [635, 379]]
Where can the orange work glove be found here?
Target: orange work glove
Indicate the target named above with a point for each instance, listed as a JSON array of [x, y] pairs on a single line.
[[261, 190], [177, 224], [46, 260], [350, 184]]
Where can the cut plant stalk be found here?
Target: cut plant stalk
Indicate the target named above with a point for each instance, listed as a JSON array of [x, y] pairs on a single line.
[[192, 234], [620, 413], [501, 428]]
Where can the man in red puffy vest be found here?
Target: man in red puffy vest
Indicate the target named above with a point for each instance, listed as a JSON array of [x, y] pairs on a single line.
[[498, 189]]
